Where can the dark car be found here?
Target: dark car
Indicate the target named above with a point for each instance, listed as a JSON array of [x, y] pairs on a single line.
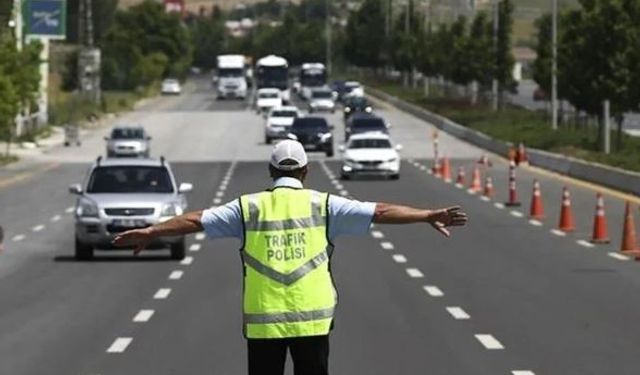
[[339, 88], [314, 133], [363, 123], [355, 104]]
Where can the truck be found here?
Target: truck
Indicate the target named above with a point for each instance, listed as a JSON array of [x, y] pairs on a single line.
[[273, 72], [230, 77]]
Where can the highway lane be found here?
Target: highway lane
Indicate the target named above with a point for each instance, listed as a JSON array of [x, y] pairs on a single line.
[[556, 306]]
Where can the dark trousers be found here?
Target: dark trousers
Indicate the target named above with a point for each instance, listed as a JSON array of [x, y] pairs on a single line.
[[310, 355]]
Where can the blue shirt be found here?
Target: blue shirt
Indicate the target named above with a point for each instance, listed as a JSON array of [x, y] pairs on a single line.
[[346, 216]]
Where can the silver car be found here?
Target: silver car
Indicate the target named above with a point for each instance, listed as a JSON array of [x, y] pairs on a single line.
[[122, 194], [321, 100], [128, 141]]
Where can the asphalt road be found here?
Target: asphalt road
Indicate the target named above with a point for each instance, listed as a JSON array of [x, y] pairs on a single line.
[[502, 296]]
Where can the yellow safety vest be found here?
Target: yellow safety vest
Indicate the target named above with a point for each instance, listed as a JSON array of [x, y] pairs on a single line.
[[288, 290]]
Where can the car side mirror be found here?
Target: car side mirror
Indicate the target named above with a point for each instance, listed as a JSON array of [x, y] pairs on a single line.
[[292, 136], [399, 147], [331, 127], [342, 148], [185, 187], [75, 189], [106, 138], [148, 138]]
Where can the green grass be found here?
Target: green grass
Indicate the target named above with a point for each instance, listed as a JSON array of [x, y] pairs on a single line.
[[4, 159], [516, 125]]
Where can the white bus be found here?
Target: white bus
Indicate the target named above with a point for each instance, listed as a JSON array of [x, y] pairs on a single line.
[[312, 75], [273, 72], [231, 79]]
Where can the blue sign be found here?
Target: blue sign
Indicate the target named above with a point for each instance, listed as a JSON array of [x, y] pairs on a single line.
[[46, 18]]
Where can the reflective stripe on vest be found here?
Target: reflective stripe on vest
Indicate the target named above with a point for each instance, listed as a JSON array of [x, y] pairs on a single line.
[[288, 291]]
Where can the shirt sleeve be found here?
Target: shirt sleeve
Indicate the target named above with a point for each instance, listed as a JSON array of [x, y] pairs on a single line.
[[223, 221], [349, 217]]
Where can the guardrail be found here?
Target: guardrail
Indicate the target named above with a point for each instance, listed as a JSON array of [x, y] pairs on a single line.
[[615, 178]]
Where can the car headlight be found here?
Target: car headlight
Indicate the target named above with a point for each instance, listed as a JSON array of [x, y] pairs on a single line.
[[324, 137], [368, 109], [87, 208], [171, 209], [347, 109]]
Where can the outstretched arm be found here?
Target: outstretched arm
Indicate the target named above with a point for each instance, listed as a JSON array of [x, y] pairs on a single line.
[[439, 219], [177, 226]]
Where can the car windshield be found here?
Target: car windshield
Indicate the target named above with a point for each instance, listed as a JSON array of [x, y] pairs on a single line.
[[368, 124], [284, 114], [127, 133], [311, 123], [129, 179], [321, 94], [230, 72], [268, 95], [370, 143], [357, 101]]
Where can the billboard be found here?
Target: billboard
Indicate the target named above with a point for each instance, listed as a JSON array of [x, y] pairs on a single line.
[[174, 6], [46, 18]]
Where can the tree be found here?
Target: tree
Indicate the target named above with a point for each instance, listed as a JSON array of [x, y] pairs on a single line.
[[364, 39], [504, 59], [207, 35], [542, 65], [479, 57]]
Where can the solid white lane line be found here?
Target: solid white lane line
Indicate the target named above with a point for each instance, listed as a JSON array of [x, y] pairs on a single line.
[[433, 290], [619, 256], [457, 313], [558, 232], [217, 200], [186, 261], [387, 245], [489, 342], [120, 345], [176, 275], [377, 234], [516, 214], [414, 273], [499, 205], [56, 218], [200, 236], [18, 237], [162, 293], [195, 247], [143, 316], [69, 209], [584, 243], [38, 228], [535, 223], [522, 372], [399, 258]]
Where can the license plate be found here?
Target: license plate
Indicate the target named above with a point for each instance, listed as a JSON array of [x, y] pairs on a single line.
[[129, 223]]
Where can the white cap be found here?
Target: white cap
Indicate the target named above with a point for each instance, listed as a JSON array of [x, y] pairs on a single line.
[[288, 155]]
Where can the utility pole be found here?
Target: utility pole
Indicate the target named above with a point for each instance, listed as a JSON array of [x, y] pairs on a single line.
[[18, 26], [89, 56], [496, 26], [327, 26], [554, 65]]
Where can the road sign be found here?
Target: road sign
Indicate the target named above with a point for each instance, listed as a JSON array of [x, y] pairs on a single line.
[[46, 18]]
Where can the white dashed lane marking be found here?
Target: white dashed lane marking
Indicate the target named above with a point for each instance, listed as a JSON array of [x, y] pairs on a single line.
[[222, 187], [339, 187], [176, 275], [38, 228], [516, 214], [584, 243], [522, 372], [459, 186], [485, 198], [344, 193], [377, 234], [414, 273], [499, 205], [186, 261], [220, 194], [195, 247], [399, 258], [69, 209], [120, 345], [56, 218], [18, 237], [217, 200], [433, 291], [489, 342], [200, 236], [458, 313], [619, 256], [535, 223], [558, 232], [143, 316], [387, 245], [162, 293]]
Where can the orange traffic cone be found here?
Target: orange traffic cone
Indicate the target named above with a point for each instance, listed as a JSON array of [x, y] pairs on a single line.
[[437, 168], [461, 176], [446, 170], [511, 154], [488, 187], [513, 194], [521, 155], [484, 160], [629, 241], [476, 184], [600, 230], [567, 223], [536, 210]]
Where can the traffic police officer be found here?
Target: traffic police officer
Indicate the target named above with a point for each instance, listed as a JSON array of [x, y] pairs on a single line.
[[287, 231]]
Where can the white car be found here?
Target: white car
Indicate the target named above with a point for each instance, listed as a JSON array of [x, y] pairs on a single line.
[[279, 122], [321, 100], [268, 98], [171, 86], [370, 154], [353, 88]]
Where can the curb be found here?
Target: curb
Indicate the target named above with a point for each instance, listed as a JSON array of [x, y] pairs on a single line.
[[616, 178]]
